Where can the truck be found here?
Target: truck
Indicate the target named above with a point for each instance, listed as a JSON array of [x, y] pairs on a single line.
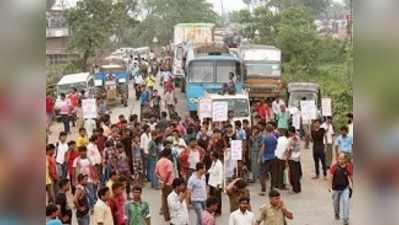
[[112, 81], [185, 33], [238, 103], [209, 68], [298, 91], [262, 65]]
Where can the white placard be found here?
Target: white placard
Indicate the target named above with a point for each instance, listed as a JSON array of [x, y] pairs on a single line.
[[219, 111], [326, 107], [296, 120], [236, 149], [308, 109], [205, 108], [98, 82], [89, 108], [122, 80]]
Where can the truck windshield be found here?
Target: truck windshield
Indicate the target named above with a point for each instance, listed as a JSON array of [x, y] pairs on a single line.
[[201, 72], [240, 107], [297, 97], [264, 70], [65, 88]]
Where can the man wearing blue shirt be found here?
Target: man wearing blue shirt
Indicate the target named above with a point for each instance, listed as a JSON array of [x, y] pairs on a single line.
[[344, 143], [267, 154], [51, 214]]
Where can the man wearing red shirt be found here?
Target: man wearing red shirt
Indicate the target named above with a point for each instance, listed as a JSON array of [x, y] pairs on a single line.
[[49, 109], [263, 111], [74, 99], [52, 168]]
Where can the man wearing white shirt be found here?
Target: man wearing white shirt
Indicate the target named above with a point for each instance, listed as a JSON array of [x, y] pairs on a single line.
[[328, 139], [177, 203], [276, 105], [102, 214], [281, 155], [61, 149], [215, 181], [242, 216], [145, 140]]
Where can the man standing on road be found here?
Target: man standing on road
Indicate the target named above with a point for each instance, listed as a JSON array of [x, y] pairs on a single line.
[[65, 107], [242, 216], [267, 154], [294, 160], [197, 190], [60, 151], [177, 203], [138, 211], [102, 214], [344, 143], [341, 185], [328, 139], [164, 171], [276, 213], [319, 155], [276, 105]]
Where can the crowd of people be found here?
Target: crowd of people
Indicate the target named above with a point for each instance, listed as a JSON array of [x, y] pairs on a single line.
[[108, 165]]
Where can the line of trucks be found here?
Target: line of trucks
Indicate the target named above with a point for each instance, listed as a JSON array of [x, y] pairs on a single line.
[[203, 65]]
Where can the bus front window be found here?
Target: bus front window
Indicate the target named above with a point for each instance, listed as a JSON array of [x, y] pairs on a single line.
[[201, 72], [223, 70]]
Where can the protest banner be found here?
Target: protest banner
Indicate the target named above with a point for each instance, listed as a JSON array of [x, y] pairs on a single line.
[[236, 149], [89, 108], [205, 108], [326, 107], [219, 111], [308, 110]]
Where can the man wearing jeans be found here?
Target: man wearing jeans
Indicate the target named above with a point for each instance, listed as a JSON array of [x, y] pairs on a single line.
[[65, 107], [341, 184], [197, 190]]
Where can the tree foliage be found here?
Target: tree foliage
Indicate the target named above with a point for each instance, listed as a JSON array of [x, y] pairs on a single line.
[[316, 7], [94, 22], [163, 15]]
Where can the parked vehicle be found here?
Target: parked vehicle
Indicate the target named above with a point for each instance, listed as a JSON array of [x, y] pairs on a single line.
[[238, 103], [112, 83], [184, 34], [209, 68], [263, 70], [80, 81], [298, 91]]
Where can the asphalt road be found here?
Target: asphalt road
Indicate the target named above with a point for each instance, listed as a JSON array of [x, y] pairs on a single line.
[[311, 207]]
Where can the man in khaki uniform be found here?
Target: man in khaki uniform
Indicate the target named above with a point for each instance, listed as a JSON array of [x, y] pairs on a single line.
[[275, 213]]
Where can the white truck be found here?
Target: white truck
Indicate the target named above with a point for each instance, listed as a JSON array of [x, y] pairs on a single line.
[[184, 33], [237, 103]]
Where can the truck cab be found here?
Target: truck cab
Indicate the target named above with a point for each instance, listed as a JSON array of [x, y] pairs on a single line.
[[80, 81], [262, 67], [238, 103], [298, 91], [113, 76]]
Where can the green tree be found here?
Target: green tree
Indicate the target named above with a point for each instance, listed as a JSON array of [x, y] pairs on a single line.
[[297, 38], [163, 15], [316, 7]]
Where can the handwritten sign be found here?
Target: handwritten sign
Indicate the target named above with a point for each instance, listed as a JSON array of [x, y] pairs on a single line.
[[326, 107], [205, 108], [219, 111], [236, 150], [308, 109], [89, 108]]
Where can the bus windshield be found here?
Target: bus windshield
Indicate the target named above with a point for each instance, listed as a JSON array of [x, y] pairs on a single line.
[[205, 72], [240, 107]]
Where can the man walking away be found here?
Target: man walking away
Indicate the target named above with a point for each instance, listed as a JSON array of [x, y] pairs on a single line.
[[341, 185]]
